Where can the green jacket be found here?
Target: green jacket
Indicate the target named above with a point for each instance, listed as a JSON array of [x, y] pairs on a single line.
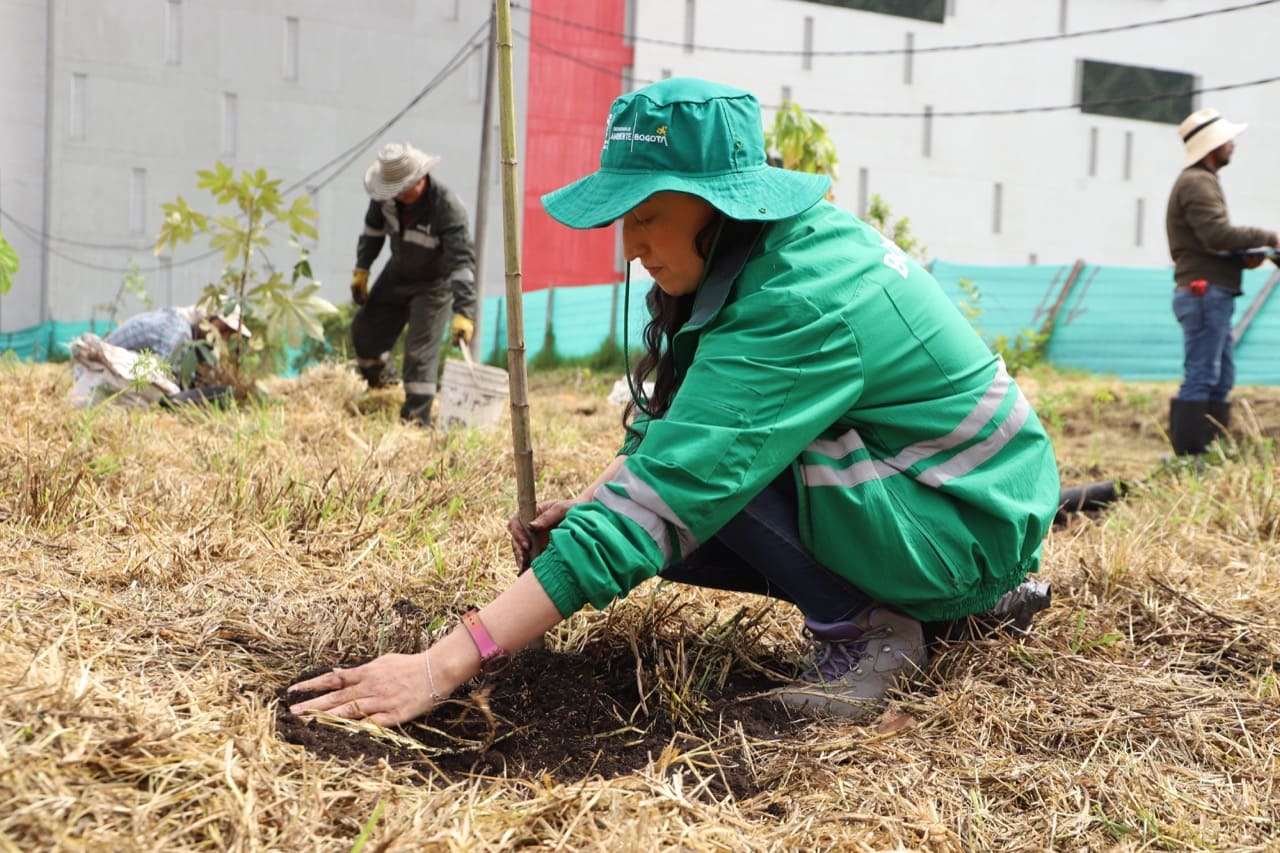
[[925, 478]]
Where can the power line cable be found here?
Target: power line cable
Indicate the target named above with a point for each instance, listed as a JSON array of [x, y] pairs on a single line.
[[455, 62], [890, 51], [1139, 99]]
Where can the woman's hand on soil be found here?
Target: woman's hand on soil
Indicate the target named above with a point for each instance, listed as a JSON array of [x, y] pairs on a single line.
[[390, 690], [527, 541]]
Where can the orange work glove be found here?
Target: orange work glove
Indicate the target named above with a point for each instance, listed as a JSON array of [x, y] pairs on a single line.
[[359, 286], [461, 330]]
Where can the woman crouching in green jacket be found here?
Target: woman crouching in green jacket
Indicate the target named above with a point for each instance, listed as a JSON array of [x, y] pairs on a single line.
[[824, 427]]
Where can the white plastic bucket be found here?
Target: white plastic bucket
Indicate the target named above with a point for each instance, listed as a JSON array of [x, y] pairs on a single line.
[[471, 395]]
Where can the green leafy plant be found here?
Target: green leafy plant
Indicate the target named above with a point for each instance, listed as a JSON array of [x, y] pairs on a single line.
[[8, 265], [133, 284], [1025, 349], [880, 217], [801, 143], [282, 309]]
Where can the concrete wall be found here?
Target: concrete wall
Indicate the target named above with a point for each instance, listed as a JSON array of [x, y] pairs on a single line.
[[22, 158], [152, 118], [361, 63], [1053, 210]]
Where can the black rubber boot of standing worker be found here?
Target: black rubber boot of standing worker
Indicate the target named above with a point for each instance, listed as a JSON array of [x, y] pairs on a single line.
[[1189, 429], [1219, 418], [417, 409]]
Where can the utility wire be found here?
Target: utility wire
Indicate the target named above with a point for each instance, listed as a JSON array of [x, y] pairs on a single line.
[[889, 51], [1139, 99], [350, 154], [449, 68]]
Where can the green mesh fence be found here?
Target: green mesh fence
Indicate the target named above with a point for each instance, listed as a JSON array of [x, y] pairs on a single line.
[[1106, 319]]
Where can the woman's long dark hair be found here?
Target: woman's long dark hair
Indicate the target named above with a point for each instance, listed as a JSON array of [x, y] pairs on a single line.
[[668, 314]]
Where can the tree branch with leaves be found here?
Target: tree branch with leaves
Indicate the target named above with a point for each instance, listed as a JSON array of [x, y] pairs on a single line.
[[282, 309]]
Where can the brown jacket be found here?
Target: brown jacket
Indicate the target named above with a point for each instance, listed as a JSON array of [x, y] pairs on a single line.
[[1199, 231]]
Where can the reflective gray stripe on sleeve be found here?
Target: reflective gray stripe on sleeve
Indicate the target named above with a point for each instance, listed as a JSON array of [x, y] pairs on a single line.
[[374, 232], [972, 457], [415, 236], [427, 388], [464, 275], [875, 469], [642, 505]]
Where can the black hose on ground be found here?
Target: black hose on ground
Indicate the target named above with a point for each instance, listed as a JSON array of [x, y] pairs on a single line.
[[1089, 497]]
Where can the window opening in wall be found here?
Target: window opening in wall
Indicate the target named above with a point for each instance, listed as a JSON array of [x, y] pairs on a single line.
[[290, 58], [173, 32], [79, 106], [997, 208], [1132, 91], [1140, 211], [1128, 155], [921, 10], [230, 123], [690, 15], [806, 61], [629, 23], [864, 182], [1093, 152], [138, 201], [927, 148], [908, 58]]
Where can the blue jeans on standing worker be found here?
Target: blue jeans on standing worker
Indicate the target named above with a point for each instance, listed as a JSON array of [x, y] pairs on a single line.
[[1208, 363], [760, 551]]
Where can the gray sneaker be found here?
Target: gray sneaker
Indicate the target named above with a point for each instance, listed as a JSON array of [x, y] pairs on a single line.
[[851, 668]]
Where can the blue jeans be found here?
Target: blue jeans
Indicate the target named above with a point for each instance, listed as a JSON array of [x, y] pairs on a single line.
[[1208, 363], [760, 551]]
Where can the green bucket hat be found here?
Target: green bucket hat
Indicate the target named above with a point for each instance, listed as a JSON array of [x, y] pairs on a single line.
[[691, 136]]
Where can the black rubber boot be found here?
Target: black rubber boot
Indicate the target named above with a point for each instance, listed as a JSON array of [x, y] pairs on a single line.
[[1189, 430], [1219, 419], [417, 409]]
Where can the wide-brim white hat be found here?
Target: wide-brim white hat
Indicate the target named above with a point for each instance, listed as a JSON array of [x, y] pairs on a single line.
[[1203, 131], [235, 321], [399, 166]]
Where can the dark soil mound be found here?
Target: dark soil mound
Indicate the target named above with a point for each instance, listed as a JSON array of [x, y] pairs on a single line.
[[566, 716]]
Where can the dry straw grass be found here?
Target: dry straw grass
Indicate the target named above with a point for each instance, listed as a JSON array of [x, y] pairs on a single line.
[[164, 574]]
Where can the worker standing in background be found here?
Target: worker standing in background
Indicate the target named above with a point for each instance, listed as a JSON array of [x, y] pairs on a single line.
[[431, 268], [1207, 276]]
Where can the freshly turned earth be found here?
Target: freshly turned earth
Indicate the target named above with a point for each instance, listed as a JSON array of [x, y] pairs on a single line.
[[563, 715]]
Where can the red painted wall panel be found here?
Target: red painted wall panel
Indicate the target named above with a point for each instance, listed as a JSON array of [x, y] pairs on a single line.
[[575, 73]]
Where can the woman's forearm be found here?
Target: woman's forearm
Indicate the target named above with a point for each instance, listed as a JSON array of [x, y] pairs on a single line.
[[519, 615]]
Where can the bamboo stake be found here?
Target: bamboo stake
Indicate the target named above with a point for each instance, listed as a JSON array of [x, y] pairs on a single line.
[[518, 378]]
